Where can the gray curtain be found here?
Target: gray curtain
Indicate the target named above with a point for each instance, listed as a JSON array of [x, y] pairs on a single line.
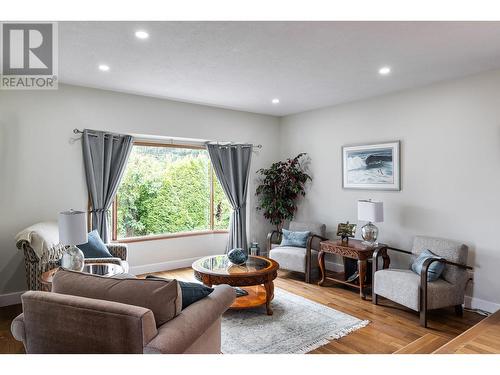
[[105, 157], [232, 167]]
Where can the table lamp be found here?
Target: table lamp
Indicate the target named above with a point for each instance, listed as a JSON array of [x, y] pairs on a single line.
[[371, 212], [72, 232]]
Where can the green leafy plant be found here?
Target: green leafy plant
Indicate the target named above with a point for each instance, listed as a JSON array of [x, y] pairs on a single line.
[[280, 187]]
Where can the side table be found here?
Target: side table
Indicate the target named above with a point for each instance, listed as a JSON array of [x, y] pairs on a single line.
[[354, 249], [101, 269]]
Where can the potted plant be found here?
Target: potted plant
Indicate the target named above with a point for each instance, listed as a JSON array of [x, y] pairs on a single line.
[[280, 187]]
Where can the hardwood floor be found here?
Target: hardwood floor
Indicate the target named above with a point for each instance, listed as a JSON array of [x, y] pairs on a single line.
[[392, 329], [483, 338], [7, 342]]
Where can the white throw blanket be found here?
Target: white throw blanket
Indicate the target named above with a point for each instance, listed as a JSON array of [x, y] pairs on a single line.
[[41, 236]]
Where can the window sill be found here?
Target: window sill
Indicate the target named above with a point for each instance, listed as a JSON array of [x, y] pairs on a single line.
[[169, 236]]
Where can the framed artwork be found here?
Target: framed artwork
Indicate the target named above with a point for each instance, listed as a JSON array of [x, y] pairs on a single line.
[[371, 167]]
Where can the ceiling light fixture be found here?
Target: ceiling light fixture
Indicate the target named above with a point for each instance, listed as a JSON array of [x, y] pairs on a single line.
[[104, 68], [275, 101], [385, 70], [141, 34]]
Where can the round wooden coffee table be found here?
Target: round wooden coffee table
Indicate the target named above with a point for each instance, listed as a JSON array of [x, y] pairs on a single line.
[[102, 269], [255, 276]]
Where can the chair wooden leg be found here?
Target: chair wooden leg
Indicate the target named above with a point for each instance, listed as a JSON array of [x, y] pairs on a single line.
[[374, 298], [423, 318], [459, 310], [308, 275]]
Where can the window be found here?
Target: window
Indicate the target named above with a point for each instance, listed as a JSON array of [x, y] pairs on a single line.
[[168, 190]]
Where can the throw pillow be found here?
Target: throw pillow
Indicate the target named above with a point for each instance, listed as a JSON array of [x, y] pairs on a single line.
[[94, 248], [191, 292], [164, 299], [435, 269], [295, 239]]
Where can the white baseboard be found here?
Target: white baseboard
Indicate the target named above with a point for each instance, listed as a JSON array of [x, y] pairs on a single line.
[[481, 304], [163, 266], [10, 298]]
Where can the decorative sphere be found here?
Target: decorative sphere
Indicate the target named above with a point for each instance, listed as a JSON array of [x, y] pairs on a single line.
[[237, 256], [73, 259]]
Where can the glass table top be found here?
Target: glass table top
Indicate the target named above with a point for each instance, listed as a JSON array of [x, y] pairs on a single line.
[[103, 269], [220, 265]]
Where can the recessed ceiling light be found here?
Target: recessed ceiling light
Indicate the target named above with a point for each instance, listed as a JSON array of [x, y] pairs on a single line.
[[385, 70], [103, 67], [141, 34], [275, 101]]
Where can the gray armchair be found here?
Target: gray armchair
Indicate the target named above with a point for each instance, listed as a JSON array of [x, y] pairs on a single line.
[[298, 259], [414, 291]]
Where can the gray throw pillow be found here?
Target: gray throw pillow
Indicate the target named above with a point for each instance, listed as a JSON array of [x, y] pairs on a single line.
[[294, 239], [95, 247], [191, 292], [435, 269]]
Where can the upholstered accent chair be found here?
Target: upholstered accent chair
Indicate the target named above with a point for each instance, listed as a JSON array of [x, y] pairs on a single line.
[[298, 259], [414, 291], [42, 252]]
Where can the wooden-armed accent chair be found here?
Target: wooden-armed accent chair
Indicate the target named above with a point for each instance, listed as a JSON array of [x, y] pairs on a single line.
[[414, 291], [298, 259]]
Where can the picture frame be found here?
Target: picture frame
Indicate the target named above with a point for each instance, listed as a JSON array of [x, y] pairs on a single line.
[[372, 166]]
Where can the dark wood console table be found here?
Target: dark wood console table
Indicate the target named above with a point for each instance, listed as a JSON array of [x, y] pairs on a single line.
[[354, 249]]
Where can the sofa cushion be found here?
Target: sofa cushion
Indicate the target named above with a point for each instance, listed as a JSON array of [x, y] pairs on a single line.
[[191, 292], [164, 299], [294, 239], [95, 247]]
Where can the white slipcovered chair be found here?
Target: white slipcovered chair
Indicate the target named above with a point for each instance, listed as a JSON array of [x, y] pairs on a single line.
[[298, 259], [414, 291]]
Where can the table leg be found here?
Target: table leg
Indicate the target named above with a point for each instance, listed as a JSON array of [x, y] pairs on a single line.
[[362, 264], [269, 296], [321, 261]]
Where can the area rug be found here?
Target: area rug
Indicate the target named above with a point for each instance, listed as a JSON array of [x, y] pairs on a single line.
[[298, 325]]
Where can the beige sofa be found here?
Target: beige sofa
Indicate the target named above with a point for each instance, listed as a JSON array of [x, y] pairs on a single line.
[[62, 323]]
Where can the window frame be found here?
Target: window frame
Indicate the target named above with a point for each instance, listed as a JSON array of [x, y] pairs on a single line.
[[163, 236]]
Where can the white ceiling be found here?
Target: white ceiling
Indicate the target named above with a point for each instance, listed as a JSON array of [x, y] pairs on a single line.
[[244, 65]]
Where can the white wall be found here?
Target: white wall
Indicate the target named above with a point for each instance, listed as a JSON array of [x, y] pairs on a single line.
[[41, 172], [450, 135]]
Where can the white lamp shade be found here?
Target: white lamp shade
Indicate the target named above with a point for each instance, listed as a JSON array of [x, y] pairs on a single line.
[[371, 211], [73, 227]]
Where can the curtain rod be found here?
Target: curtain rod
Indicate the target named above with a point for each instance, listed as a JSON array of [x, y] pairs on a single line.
[[259, 146]]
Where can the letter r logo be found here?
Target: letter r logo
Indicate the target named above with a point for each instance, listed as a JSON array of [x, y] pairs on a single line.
[[27, 49]]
